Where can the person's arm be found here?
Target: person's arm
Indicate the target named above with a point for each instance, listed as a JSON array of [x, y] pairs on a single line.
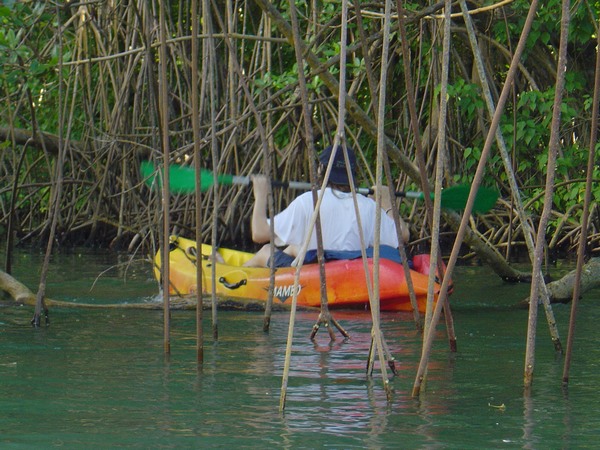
[[261, 231], [386, 205], [404, 230]]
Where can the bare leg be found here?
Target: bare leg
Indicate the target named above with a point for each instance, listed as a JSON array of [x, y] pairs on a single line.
[[219, 258], [292, 250], [260, 258]]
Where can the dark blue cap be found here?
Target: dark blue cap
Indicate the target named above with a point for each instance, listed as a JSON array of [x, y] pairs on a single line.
[[338, 174]]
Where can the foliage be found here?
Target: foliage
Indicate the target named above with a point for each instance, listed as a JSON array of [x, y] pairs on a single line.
[[111, 104], [25, 64]]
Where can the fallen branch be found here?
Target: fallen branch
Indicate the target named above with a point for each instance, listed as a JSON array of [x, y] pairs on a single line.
[[561, 291], [22, 295]]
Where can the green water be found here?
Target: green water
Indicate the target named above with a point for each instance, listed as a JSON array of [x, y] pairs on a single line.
[[100, 379]]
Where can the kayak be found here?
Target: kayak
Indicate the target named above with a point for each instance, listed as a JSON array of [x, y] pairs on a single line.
[[345, 279]]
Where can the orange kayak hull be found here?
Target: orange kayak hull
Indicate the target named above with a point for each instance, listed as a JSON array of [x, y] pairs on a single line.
[[346, 283]]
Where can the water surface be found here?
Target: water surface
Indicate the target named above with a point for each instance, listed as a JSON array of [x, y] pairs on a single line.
[[100, 379]]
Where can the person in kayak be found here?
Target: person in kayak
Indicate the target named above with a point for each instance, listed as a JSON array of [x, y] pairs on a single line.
[[339, 224]]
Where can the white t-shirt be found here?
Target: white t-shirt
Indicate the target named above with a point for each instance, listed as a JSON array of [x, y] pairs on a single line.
[[338, 222]]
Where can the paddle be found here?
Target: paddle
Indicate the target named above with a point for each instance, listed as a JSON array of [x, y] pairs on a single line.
[[182, 180]]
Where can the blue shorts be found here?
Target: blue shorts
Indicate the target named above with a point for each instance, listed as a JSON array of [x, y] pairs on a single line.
[[282, 259]]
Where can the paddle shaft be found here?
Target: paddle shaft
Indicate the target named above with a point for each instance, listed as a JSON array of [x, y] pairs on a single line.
[[183, 180], [454, 197], [302, 185]]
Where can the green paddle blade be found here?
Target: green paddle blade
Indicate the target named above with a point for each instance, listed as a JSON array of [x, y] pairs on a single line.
[[455, 197], [182, 180]]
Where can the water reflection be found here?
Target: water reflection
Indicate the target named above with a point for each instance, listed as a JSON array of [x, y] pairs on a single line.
[[329, 391]]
